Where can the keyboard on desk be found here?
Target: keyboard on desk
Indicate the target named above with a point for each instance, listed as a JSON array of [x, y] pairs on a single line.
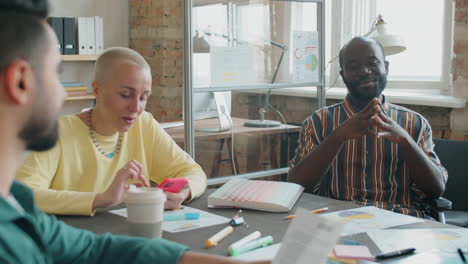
[[270, 196]]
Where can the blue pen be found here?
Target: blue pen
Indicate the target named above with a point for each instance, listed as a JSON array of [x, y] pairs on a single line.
[[184, 216], [261, 242]]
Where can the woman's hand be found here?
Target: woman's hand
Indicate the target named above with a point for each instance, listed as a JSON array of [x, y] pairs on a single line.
[[175, 200], [115, 193]]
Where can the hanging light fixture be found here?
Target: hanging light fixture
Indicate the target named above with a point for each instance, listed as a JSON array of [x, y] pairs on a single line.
[[392, 44]]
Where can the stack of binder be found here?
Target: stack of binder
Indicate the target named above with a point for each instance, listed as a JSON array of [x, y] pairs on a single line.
[[75, 89], [79, 35]]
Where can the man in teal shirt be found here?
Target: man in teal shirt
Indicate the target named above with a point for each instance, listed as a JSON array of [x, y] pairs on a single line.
[[30, 100], [30, 236]]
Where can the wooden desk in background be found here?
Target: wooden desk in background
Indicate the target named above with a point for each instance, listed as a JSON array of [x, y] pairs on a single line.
[[271, 137]]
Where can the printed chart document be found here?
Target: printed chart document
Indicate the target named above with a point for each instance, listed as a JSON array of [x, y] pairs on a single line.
[[370, 218], [305, 56], [443, 239], [309, 239], [206, 219]]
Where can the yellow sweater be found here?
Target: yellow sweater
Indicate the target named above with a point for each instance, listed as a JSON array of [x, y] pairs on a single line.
[[67, 178]]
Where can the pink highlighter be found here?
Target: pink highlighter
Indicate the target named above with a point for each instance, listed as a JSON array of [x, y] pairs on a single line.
[[173, 185]]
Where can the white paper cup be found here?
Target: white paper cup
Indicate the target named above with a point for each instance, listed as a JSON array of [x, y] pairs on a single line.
[[145, 209]]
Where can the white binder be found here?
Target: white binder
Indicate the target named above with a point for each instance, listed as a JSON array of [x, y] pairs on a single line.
[[90, 32], [82, 36], [99, 34], [86, 36]]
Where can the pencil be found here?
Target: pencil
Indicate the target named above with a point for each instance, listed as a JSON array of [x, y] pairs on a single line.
[[316, 211]]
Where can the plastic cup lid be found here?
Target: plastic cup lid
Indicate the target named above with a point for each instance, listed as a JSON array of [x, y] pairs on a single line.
[[144, 195]]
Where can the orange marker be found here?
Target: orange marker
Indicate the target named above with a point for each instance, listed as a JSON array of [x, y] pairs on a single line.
[[316, 211], [213, 241]]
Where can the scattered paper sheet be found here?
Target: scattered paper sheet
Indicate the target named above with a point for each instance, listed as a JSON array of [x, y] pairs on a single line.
[[370, 218], [232, 66], [429, 257], [206, 219], [269, 253], [443, 239], [309, 237], [171, 124]]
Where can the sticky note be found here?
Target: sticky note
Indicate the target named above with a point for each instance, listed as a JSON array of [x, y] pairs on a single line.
[[353, 252], [178, 217], [350, 242]]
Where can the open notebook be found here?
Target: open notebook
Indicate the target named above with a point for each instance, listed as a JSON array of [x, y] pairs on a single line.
[[269, 196]]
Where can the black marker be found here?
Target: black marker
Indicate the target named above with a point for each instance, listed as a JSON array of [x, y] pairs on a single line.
[[395, 253], [460, 252]]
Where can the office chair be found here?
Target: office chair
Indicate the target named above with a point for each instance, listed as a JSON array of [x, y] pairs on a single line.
[[453, 156]]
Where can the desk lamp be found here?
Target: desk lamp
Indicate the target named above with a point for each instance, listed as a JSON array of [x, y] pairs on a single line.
[[392, 44], [262, 122], [200, 44]]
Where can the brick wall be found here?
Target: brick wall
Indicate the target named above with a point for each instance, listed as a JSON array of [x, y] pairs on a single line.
[[460, 48], [156, 31], [459, 117]]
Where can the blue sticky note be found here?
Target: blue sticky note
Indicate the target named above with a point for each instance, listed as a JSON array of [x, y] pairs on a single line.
[[178, 217], [192, 216], [350, 242]]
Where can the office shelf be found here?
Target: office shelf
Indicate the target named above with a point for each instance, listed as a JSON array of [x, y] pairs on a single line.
[[85, 97], [79, 57], [78, 68]]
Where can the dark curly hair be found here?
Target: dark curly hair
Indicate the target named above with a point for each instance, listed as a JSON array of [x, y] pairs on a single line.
[[23, 32], [39, 8]]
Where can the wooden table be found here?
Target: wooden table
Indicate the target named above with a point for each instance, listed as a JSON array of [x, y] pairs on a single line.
[[177, 133], [265, 222], [273, 136]]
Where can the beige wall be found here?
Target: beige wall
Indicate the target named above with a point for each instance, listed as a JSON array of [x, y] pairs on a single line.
[[115, 14]]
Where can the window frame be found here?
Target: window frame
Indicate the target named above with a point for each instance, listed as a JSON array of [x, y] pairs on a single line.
[[444, 86]]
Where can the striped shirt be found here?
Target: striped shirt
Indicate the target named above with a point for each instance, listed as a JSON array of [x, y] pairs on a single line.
[[367, 170]]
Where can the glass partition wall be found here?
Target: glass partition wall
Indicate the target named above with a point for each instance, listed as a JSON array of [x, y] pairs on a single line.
[[241, 57]]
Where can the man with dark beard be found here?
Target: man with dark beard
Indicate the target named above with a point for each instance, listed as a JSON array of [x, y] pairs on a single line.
[[365, 149], [30, 100]]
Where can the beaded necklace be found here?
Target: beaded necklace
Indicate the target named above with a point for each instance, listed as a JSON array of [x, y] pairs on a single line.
[[98, 146]]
